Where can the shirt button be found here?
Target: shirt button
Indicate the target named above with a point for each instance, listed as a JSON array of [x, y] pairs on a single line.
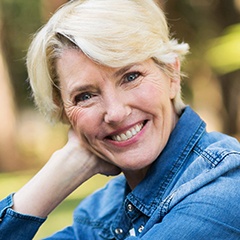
[[118, 231], [140, 229], [130, 207]]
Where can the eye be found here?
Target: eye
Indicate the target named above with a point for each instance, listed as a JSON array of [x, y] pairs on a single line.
[[129, 77], [83, 97]]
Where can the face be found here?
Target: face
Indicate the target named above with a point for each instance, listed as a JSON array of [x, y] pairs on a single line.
[[124, 115]]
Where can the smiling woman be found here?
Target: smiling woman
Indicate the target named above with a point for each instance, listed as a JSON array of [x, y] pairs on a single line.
[[109, 70], [116, 39], [104, 108]]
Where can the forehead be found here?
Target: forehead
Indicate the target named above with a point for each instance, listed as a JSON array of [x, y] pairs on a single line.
[[75, 62]]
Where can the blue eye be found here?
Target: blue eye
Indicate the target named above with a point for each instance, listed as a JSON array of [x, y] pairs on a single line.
[[83, 97], [129, 77]]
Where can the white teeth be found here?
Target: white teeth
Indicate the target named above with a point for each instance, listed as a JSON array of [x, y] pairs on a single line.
[[117, 138], [129, 134], [138, 128], [134, 132], [123, 137]]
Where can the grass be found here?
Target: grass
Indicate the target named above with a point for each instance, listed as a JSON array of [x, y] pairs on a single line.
[[62, 215]]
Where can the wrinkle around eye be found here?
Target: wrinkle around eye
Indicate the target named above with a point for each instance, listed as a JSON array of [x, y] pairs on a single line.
[[72, 111]]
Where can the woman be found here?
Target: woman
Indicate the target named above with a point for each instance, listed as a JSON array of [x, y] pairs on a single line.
[[109, 70]]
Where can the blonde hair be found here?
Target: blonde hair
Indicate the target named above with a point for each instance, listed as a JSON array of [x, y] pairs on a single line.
[[114, 33]]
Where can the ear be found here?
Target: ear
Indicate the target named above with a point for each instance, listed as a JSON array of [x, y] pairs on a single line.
[[175, 80]]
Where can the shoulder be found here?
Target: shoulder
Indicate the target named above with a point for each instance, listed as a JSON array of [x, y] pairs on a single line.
[[218, 141], [211, 198], [216, 148], [213, 178]]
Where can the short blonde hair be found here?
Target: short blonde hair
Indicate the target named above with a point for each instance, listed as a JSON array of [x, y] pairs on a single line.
[[114, 33]]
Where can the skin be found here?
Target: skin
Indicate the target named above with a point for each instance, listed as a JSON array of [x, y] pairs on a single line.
[[102, 102]]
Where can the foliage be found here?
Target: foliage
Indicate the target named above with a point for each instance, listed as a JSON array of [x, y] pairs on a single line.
[[195, 22], [224, 51]]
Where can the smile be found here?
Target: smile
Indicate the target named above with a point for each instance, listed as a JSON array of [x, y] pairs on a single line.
[[128, 134]]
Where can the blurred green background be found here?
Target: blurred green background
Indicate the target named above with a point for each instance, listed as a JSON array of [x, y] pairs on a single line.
[[62, 215], [212, 88]]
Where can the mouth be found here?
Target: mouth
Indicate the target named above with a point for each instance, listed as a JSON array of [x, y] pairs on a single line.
[[130, 133]]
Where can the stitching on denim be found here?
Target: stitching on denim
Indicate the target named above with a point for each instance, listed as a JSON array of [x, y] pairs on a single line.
[[182, 158], [216, 157]]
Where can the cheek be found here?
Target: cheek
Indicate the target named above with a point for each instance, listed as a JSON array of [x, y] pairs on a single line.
[[73, 114], [83, 121], [153, 93]]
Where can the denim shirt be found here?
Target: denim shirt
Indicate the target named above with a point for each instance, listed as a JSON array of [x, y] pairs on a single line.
[[191, 191]]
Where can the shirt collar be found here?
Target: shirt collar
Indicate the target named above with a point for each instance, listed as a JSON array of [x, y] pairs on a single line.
[[172, 160]]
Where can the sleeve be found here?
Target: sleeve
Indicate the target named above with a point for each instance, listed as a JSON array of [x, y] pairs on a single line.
[[14, 225]]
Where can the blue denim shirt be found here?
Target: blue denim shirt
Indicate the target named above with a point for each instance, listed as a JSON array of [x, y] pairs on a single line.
[[192, 191]]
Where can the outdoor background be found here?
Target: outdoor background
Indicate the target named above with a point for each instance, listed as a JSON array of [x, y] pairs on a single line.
[[212, 88]]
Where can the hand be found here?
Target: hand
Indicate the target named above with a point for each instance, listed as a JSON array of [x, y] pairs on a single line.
[[103, 167], [66, 170]]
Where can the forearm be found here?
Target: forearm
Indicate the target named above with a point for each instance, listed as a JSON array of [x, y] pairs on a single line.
[[17, 226], [63, 173]]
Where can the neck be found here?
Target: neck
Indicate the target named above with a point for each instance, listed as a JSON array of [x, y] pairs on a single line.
[[135, 177]]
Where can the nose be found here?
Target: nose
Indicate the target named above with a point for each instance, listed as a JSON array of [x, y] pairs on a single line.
[[116, 108]]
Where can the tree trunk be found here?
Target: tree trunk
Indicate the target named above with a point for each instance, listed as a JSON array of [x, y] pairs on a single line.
[[8, 151], [49, 7]]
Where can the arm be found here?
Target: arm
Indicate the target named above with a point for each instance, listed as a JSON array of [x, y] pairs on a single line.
[[14, 225], [67, 169]]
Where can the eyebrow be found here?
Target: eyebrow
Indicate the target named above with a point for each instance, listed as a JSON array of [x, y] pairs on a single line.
[[83, 88], [122, 70]]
